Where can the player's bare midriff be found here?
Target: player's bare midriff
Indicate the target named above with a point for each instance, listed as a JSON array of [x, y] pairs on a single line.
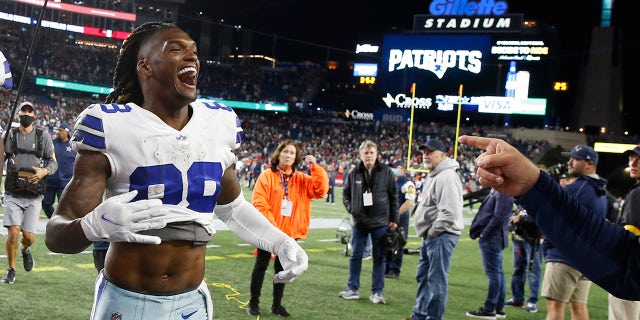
[[168, 268]]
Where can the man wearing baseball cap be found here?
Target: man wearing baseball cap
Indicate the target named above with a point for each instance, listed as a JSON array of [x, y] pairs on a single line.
[[630, 220], [30, 160], [65, 155], [562, 283], [583, 152], [438, 221]]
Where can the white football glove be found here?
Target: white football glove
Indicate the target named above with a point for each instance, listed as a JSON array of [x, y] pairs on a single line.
[[117, 220], [294, 261]]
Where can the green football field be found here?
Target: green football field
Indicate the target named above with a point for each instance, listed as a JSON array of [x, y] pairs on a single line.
[[61, 286]]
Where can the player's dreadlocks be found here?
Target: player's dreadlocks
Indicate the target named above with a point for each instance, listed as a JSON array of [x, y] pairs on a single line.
[[125, 78]]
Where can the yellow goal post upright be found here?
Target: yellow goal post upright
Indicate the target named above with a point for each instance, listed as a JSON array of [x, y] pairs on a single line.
[[455, 149]]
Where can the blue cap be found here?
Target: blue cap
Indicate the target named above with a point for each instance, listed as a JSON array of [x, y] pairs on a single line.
[[63, 126], [432, 145], [583, 152], [635, 150]]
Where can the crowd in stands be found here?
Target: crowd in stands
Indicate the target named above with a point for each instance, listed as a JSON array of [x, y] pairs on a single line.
[[247, 79], [334, 140], [331, 137]]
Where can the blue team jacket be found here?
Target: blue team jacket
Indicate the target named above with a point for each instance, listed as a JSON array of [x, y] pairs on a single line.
[[590, 192], [604, 252]]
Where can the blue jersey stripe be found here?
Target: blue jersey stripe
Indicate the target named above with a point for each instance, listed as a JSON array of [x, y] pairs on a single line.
[[92, 122], [89, 139], [216, 105]]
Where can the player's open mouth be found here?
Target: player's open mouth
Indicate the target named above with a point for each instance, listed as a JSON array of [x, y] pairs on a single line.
[[188, 76]]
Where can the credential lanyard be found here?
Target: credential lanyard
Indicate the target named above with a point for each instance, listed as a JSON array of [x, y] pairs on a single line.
[[367, 196], [286, 206], [366, 181], [285, 183]]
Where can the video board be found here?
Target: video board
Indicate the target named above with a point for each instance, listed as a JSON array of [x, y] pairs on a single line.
[[498, 73]]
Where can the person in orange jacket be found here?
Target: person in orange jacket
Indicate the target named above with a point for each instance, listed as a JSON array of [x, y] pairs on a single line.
[[283, 195]]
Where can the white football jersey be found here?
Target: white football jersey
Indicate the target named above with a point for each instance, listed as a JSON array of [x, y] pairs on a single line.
[[180, 167], [409, 190]]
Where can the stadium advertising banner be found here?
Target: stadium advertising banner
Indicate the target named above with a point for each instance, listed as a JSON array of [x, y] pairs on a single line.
[[57, 5], [87, 30], [497, 73], [437, 64], [467, 16], [519, 49]]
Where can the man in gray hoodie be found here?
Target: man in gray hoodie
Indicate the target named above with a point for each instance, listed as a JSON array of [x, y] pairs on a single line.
[[438, 221]]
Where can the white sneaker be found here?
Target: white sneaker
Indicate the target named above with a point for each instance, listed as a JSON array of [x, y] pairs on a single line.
[[349, 294], [531, 307], [377, 298]]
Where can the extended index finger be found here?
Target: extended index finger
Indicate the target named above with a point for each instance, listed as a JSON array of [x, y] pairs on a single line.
[[474, 141]]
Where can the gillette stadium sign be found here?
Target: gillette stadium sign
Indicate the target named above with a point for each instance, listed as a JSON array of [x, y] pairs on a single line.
[[468, 16]]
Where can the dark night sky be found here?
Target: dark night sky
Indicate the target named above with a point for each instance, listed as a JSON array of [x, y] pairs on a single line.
[[340, 24], [318, 30]]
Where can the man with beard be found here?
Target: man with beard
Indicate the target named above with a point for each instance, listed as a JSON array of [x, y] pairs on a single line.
[[438, 221], [562, 283]]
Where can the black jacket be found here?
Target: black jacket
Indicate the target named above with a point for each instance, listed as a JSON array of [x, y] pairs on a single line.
[[382, 184], [631, 208]]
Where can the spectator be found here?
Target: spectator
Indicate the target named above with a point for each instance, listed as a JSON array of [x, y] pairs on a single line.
[[527, 262], [491, 226], [30, 160], [438, 221], [99, 252], [407, 195], [604, 252], [620, 309], [562, 283], [332, 184], [370, 195], [156, 220], [65, 156], [240, 170], [283, 195], [256, 169]]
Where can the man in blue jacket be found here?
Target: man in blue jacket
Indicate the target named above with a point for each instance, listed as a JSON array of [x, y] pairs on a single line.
[[605, 252], [65, 156], [562, 283], [491, 226]]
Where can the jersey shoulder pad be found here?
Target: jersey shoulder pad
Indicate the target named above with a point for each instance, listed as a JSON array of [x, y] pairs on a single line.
[[88, 133], [225, 119]]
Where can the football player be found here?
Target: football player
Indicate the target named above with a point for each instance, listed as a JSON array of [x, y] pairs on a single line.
[[153, 166]]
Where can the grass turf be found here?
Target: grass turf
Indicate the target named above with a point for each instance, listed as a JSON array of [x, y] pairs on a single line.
[[61, 286]]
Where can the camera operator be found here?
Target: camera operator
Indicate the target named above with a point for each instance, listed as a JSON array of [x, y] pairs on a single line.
[[30, 159], [527, 261]]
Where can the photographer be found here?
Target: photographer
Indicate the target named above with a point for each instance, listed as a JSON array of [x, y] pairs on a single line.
[[30, 159], [406, 194], [527, 261]]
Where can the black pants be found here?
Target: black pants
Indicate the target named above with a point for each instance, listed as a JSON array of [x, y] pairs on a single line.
[[257, 278], [330, 195]]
